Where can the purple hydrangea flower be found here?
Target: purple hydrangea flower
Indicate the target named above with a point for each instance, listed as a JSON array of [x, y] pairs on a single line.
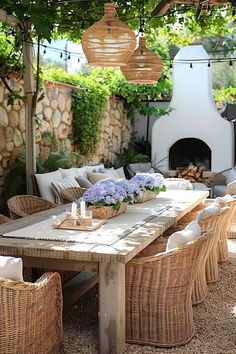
[[149, 181]]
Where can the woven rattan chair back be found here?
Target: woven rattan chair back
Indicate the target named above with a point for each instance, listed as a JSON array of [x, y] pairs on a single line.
[[23, 205], [222, 248], [158, 295], [212, 271], [231, 231], [200, 288], [31, 316], [71, 194]]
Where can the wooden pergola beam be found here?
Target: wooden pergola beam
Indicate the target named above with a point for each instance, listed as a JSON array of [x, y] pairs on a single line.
[[164, 5], [9, 19]]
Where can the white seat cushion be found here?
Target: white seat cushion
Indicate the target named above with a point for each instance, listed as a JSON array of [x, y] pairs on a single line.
[[199, 186], [180, 238], [211, 210], [219, 191], [11, 268], [177, 184], [225, 199], [195, 227], [44, 182]]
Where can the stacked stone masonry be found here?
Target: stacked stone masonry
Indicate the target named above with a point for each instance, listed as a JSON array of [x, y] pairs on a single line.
[[54, 115]]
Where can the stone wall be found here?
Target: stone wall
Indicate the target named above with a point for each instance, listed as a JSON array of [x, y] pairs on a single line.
[[54, 115]]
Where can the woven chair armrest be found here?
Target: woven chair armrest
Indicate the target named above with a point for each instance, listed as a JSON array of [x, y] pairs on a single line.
[[160, 256], [231, 188], [28, 286]]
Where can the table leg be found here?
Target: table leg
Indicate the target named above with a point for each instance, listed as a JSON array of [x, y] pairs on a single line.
[[111, 308]]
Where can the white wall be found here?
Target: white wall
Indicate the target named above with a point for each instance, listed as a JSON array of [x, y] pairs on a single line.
[[194, 112]]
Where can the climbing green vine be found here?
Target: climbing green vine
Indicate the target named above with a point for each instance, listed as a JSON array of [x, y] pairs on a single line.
[[90, 100]]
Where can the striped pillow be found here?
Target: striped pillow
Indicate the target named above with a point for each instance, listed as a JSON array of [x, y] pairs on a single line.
[[59, 185]]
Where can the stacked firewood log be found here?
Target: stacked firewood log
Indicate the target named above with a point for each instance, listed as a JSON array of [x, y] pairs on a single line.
[[192, 173]]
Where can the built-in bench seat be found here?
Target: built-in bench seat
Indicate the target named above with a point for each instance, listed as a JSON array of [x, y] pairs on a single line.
[[49, 185]]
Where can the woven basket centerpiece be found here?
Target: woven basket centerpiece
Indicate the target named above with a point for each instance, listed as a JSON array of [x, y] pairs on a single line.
[[147, 195], [108, 42], [107, 212]]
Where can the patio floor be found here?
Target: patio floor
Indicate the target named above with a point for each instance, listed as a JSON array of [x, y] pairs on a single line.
[[215, 320]]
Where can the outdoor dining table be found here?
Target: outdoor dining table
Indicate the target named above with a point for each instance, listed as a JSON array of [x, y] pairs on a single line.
[[105, 250]]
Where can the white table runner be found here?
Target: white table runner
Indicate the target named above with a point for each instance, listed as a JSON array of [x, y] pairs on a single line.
[[109, 233]]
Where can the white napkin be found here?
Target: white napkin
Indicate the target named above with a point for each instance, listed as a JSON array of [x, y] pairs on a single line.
[[11, 268], [211, 210]]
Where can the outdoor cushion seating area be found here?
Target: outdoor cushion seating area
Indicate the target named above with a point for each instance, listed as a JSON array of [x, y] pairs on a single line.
[[49, 185]]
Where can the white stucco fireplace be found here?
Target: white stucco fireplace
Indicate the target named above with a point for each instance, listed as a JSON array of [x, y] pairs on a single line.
[[194, 132]]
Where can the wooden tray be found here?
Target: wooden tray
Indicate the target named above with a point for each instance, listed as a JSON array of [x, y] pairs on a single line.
[[69, 224]]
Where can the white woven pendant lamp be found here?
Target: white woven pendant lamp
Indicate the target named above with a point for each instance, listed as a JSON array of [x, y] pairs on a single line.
[[143, 67], [108, 42]]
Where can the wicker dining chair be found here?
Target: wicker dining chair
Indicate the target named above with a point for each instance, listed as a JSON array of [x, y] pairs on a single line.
[[4, 219], [31, 316], [158, 295], [208, 270], [222, 247], [70, 194], [23, 205]]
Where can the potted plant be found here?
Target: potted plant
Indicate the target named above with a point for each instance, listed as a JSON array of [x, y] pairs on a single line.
[[109, 198], [150, 184]]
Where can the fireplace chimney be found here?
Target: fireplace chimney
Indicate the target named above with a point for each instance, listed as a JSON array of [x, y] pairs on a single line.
[[194, 113]]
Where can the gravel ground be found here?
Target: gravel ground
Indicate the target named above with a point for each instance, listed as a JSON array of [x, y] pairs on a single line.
[[215, 320]]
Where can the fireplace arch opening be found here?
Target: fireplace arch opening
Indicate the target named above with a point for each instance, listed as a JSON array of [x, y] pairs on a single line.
[[189, 151]]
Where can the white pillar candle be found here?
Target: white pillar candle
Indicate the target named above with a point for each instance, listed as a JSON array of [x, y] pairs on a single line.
[[82, 208], [74, 210]]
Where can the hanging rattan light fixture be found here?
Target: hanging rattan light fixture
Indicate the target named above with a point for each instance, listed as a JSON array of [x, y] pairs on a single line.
[[143, 67], [108, 42]]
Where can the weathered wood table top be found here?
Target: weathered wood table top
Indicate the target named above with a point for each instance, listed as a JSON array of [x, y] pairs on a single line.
[[106, 251]]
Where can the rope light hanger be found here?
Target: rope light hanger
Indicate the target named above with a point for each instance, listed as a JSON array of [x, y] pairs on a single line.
[[143, 67], [108, 42]]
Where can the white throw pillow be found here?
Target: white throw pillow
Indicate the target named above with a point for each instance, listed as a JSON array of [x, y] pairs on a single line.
[[178, 184], [63, 183], [225, 199], [195, 227], [67, 172], [11, 268], [95, 177], [120, 172], [74, 172], [44, 182], [180, 238], [211, 210], [94, 168]]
